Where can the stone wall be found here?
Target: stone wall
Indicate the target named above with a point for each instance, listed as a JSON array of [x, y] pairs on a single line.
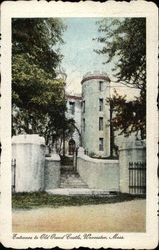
[[29, 152], [34, 172], [52, 172], [98, 173]]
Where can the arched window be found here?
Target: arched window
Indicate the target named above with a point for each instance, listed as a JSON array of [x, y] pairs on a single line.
[[72, 145]]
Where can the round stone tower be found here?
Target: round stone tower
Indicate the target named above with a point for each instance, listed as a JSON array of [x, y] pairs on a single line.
[[96, 114]]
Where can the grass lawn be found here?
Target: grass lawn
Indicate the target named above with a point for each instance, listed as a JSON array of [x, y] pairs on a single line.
[[43, 199]]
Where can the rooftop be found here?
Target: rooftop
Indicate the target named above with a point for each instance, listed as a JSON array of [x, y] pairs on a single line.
[[75, 96], [95, 75]]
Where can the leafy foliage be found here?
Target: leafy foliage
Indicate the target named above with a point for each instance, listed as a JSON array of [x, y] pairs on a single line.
[[37, 95], [124, 42], [129, 115], [37, 37]]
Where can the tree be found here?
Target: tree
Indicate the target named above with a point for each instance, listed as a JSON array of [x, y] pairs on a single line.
[[124, 43], [129, 115], [36, 38], [38, 98]]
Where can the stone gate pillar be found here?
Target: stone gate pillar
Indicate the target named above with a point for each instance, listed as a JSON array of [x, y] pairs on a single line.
[[29, 152], [52, 172], [134, 151]]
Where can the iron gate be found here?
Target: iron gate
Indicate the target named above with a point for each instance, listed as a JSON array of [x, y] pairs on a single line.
[[137, 177], [13, 175]]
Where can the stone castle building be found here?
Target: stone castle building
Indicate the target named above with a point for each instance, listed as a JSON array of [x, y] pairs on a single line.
[[91, 113], [96, 114]]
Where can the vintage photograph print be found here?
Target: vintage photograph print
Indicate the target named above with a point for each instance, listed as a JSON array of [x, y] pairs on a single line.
[[79, 124], [79, 127]]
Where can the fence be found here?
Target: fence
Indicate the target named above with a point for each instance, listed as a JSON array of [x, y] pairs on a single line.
[[13, 175], [137, 177]]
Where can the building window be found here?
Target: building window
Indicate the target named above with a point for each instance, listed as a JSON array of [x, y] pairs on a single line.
[[100, 144], [72, 108], [100, 123], [83, 106], [84, 125], [101, 104], [100, 86], [72, 146]]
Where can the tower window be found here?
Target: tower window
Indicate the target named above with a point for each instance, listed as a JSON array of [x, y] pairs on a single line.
[[72, 108], [100, 144], [101, 104], [100, 123], [83, 106], [84, 125], [100, 85]]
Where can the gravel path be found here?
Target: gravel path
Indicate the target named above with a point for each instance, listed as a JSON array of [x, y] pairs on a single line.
[[118, 217]]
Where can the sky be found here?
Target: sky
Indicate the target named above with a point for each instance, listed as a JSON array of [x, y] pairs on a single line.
[[79, 57], [78, 50]]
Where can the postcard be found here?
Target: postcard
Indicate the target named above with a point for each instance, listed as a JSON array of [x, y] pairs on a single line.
[[79, 124]]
